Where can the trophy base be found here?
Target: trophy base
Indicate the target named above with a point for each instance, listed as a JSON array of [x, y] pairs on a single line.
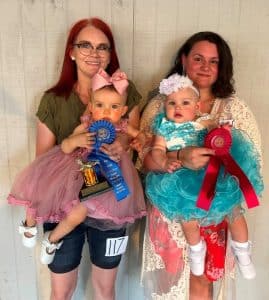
[[93, 190]]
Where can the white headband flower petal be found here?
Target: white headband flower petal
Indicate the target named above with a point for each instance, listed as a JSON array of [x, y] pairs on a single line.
[[174, 83]]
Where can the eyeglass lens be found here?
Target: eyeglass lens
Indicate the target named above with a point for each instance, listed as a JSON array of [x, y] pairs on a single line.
[[86, 48]]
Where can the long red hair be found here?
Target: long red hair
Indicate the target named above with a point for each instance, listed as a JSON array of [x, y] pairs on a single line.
[[68, 76]]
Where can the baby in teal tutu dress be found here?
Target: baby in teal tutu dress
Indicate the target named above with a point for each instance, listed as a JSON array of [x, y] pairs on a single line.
[[175, 190]]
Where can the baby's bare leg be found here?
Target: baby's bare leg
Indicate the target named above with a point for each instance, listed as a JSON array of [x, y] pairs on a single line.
[[239, 229], [76, 216], [192, 232], [30, 221]]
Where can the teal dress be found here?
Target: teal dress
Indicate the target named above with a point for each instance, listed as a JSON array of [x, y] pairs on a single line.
[[175, 194]]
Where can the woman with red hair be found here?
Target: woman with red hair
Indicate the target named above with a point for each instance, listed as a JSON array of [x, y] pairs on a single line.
[[90, 46]]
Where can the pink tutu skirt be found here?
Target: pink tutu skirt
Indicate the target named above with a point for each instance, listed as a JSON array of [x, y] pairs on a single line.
[[49, 188]]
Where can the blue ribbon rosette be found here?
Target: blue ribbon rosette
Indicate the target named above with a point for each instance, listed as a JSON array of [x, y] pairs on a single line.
[[106, 134]]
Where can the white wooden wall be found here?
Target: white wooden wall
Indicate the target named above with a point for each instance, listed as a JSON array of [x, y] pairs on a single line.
[[147, 33]]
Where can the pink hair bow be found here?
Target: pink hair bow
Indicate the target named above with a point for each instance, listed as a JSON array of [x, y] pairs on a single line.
[[118, 80]]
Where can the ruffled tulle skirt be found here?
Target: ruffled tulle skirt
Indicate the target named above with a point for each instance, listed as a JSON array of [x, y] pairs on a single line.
[[49, 187], [175, 194]]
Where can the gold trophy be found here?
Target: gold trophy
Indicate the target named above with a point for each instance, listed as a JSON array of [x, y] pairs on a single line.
[[89, 175]]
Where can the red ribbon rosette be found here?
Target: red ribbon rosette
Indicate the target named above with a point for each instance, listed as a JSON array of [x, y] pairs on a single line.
[[220, 140]]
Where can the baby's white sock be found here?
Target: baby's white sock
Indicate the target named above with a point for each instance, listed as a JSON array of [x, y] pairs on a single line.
[[197, 247], [244, 245]]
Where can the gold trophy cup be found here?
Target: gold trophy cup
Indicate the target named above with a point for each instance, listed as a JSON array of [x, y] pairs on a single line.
[[92, 184]]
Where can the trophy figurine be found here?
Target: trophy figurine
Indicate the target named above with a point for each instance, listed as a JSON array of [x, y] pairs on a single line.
[[94, 182], [89, 174]]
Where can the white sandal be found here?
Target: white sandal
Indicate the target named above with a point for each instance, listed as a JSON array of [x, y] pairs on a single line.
[[28, 241], [48, 249]]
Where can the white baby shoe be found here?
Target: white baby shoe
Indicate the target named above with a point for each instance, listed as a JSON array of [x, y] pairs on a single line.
[[48, 249], [242, 253], [29, 235], [197, 258]]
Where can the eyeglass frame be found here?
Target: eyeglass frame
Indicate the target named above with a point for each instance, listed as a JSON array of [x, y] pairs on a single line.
[[92, 48]]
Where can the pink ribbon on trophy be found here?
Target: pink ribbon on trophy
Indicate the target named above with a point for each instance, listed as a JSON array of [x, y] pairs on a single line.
[[220, 140], [118, 80]]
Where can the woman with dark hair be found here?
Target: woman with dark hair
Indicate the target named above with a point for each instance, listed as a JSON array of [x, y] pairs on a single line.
[[223, 86], [90, 46], [207, 60]]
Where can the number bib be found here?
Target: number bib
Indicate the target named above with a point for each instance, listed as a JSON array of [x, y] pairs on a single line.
[[116, 246]]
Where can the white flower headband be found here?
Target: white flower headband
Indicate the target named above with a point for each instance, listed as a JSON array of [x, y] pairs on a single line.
[[174, 83]]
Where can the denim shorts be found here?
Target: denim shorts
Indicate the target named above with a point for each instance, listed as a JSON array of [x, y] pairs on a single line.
[[68, 257]]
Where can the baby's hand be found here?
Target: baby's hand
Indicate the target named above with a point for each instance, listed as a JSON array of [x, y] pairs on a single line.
[[171, 165], [84, 140], [114, 150]]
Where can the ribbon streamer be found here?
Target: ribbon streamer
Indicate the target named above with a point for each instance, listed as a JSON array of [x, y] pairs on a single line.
[[220, 140], [105, 133]]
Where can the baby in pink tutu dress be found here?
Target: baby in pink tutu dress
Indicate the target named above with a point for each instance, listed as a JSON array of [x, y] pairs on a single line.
[[49, 187]]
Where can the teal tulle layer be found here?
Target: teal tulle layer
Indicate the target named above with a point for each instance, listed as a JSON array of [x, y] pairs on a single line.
[[175, 194]]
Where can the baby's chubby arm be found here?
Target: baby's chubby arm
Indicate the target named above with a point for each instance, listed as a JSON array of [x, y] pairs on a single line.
[[159, 156]]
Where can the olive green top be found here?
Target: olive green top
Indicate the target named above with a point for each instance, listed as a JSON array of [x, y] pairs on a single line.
[[62, 115]]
